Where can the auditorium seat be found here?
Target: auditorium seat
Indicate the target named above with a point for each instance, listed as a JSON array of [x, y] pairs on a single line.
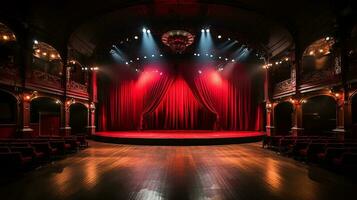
[[326, 158], [45, 148], [28, 152], [347, 163], [14, 161]]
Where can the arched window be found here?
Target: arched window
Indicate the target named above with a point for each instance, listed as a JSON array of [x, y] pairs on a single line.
[[7, 46], [46, 59], [77, 73], [318, 55]]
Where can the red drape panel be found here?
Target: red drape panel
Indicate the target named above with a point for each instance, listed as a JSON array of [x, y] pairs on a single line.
[[179, 109]]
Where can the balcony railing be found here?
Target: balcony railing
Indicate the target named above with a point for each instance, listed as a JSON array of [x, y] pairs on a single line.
[[284, 87]]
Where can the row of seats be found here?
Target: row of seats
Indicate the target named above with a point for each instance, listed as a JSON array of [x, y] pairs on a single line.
[[20, 154], [326, 151]]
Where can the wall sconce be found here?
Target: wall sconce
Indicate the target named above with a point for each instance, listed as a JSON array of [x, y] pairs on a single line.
[[70, 102], [269, 105], [92, 107], [293, 101], [31, 96]]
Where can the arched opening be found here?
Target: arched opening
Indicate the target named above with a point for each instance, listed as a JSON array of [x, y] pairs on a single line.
[[319, 115], [45, 116], [8, 47], [318, 56], [78, 74], [283, 118], [46, 59], [78, 118], [8, 115]]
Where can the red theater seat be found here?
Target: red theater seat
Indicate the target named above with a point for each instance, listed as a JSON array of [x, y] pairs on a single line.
[[14, 161]]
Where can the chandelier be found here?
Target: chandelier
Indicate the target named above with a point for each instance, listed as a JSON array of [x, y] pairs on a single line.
[[177, 40]]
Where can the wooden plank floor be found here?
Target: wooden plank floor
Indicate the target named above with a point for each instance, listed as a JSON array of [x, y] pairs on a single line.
[[242, 171]]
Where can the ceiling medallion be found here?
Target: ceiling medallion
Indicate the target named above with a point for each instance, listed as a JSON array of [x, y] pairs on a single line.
[[177, 40]]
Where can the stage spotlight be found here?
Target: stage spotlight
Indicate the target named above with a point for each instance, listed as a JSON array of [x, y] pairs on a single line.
[[136, 70], [226, 59], [131, 61], [160, 55], [145, 57], [229, 39], [137, 58], [233, 60], [199, 71], [206, 54], [152, 55], [220, 57], [148, 31], [126, 63], [198, 54], [194, 54], [35, 42], [211, 56], [144, 30], [136, 37], [202, 30], [207, 30], [219, 36]]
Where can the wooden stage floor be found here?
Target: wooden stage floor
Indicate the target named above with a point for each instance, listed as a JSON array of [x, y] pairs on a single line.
[[178, 137], [223, 172]]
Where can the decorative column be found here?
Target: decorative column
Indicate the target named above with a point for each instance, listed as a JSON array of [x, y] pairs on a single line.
[[91, 119], [92, 90], [25, 41], [24, 125], [296, 128], [65, 128], [340, 116], [270, 129], [343, 112]]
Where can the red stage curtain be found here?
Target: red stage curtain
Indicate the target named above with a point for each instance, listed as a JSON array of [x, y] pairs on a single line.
[[185, 99]]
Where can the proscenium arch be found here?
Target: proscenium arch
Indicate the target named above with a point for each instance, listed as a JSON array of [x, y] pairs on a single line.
[[283, 112], [319, 114], [78, 118]]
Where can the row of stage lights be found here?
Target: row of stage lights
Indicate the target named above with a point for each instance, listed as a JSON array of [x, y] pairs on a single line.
[[276, 63], [212, 56], [144, 57]]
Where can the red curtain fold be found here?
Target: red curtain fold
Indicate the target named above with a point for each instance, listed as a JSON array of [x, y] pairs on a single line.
[[154, 97]]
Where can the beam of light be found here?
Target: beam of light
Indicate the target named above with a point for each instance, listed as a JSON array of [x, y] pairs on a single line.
[[225, 46], [205, 44], [117, 54], [148, 44], [242, 53]]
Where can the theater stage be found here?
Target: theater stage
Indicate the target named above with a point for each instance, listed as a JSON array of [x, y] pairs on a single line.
[[178, 137]]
